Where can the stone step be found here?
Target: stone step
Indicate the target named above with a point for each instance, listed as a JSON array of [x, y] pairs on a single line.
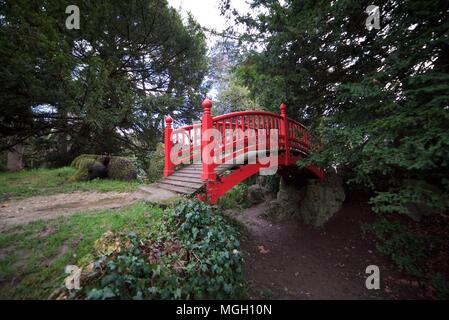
[[183, 190]]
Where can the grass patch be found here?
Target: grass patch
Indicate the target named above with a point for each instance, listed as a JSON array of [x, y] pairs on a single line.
[[33, 256], [48, 181]]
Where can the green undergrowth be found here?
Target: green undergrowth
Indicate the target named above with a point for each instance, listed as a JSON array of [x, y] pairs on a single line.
[[189, 251], [193, 253], [236, 198], [33, 256]]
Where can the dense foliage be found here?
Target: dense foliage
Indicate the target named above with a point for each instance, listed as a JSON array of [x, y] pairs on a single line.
[[192, 254], [103, 88], [236, 198], [378, 98]]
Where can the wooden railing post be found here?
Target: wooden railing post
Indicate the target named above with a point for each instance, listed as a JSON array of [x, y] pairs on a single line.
[[207, 157], [284, 132], [168, 145]]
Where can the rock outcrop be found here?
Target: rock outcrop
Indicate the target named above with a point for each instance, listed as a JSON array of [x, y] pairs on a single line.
[[256, 194], [322, 199], [315, 202]]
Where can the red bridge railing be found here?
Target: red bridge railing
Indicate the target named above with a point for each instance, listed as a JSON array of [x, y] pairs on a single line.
[[222, 139]]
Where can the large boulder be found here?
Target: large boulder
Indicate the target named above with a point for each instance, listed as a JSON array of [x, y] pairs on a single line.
[[256, 194], [270, 183], [287, 201], [322, 199], [315, 201]]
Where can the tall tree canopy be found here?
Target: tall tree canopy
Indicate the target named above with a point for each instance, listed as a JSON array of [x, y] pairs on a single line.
[[379, 99], [104, 87]]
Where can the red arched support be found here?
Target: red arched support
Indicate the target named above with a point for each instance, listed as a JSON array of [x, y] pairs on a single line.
[[218, 188]]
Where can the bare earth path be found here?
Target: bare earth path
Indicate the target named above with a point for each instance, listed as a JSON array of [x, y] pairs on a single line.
[[22, 211], [290, 260]]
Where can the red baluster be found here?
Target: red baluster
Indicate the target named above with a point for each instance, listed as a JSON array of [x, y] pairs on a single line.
[[168, 145]]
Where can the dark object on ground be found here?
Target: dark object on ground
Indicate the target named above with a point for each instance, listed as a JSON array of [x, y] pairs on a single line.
[[97, 170], [92, 166]]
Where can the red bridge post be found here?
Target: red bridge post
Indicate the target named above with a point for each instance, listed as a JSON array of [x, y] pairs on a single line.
[[284, 132], [206, 156], [168, 145]]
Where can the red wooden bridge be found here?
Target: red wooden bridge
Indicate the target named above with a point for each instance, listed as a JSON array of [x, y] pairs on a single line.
[[209, 158]]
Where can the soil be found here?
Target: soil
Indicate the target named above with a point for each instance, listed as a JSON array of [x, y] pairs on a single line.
[[283, 260], [291, 260], [14, 212]]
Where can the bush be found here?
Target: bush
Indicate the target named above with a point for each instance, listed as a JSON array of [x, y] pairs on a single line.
[[403, 246], [236, 198], [120, 168], [441, 286], [82, 164], [156, 163], [80, 161], [193, 254]]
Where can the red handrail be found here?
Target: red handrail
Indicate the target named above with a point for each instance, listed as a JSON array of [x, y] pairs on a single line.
[[191, 140]]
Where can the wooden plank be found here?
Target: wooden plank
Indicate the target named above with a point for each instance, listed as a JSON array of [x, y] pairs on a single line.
[[184, 179], [176, 182], [191, 168], [186, 174], [182, 183], [197, 172]]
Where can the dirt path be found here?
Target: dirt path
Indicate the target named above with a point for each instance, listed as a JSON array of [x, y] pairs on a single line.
[[290, 260], [13, 212]]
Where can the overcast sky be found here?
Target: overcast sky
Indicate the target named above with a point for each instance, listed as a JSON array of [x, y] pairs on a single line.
[[207, 12]]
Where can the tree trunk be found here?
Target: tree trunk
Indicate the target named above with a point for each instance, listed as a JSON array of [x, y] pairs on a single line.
[[15, 158]]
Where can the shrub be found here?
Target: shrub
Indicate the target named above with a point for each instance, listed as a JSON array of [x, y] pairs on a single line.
[[441, 286], [81, 160], [406, 248], [193, 254], [82, 164], [236, 198], [120, 168], [156, 163]]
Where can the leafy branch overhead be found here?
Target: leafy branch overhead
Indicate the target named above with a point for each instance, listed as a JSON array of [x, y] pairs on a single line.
[[104, 87]]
